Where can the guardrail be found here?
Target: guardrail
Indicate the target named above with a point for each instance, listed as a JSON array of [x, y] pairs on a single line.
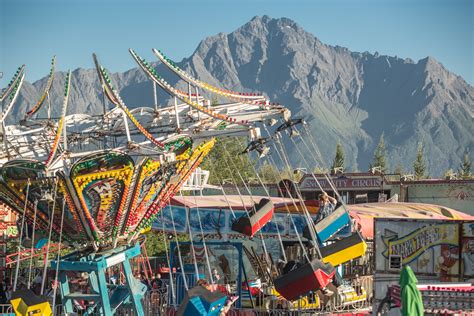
[[351, 298], [6, 309]]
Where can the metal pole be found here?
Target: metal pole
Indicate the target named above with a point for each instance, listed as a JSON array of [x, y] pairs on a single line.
[[104, 111], [176, 111], [49, 239], [21, 235], [127, 130], [197, 101], [32, 246], [5, 141], [49, 105], [189, 94], [65, 135], [239, 278], [155, 96]]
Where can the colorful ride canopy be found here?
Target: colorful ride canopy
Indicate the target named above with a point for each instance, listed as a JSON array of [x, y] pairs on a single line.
[[106, 196]]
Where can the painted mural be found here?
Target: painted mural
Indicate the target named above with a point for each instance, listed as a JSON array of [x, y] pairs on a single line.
[[215, 221]]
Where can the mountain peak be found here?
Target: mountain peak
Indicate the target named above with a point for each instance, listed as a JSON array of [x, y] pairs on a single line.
[[261, 19], [429, 61], [270, 22], [348, 96]]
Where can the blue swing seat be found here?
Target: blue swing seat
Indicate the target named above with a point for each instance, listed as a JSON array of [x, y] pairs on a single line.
[[199, 301], [330, 226]]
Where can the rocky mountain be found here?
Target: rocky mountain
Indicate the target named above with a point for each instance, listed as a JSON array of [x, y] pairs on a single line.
[[345, 96]]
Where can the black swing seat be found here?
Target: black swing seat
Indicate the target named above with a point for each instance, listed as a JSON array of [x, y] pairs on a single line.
[[344, 250], [307, 278], [258, 217]]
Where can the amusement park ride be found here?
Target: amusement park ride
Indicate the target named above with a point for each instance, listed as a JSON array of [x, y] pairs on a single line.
[[96, 183]]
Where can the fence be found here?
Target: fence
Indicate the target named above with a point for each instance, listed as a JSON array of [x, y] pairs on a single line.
[[353, 297], [5, 309]]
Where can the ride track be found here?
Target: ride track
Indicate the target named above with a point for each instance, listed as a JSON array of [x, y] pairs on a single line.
[[152, 74], [21, 138], [59, 130], [13, 83], [238, 96], [12, 92], [45, 94], [115, 99]]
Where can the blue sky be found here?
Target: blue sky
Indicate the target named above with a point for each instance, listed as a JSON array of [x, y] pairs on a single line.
[[32, 31]]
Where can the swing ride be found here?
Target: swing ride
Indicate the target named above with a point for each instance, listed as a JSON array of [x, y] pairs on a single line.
[[95, 184]]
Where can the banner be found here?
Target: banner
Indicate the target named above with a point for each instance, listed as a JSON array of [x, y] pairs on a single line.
[[411, 246], [342, 183], [210, 220]]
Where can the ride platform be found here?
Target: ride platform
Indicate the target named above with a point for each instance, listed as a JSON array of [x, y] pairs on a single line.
[[105, 298]]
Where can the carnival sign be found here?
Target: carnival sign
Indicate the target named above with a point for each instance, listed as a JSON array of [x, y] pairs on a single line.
[[369, 182], [411, 246]]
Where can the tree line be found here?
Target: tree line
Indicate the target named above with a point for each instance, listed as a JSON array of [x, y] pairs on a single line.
[[229, 166], [379, 163]]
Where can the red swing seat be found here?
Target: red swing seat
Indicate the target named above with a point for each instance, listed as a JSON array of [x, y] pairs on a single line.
[[307, 278], [256, 219]]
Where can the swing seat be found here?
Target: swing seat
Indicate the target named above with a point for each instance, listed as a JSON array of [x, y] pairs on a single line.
[[344, 250], [27, 303], [343, 233], [330, 225], [258, 217], [307, 278], [199, 301]]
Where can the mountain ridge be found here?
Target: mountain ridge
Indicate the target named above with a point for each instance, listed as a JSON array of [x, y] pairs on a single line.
[[350, 97]]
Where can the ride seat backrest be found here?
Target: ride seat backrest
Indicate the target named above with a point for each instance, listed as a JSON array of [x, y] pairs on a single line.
[[304, 279], [333, 223], [203, 301], [344, 250], [260, 210]]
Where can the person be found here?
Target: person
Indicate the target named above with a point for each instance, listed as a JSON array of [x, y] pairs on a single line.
[[113, 279], [202, 282], [280, 265], [156, 292], [3, 290], [157, 283], [9, 292], [228, 304], [327, 205], [145, 281], [36, 286], [216, 275]]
